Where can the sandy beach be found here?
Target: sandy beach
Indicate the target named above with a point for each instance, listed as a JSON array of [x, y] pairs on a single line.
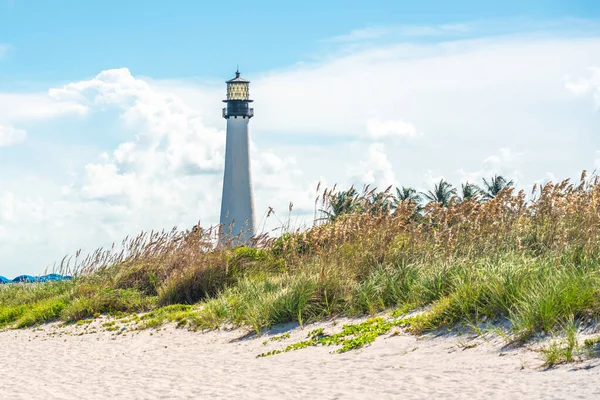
[[77, 362]]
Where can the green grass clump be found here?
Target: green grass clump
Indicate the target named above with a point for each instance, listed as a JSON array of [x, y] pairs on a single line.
[[351, 337], [263, 301], [592, 346], [42, 311], [106, 301], [10, 314], [592, 343], [24, 305], [564, 351], [179, 313], [280, 337]]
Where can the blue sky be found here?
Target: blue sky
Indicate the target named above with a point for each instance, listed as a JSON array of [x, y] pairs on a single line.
[[110, 117], [57, 41]]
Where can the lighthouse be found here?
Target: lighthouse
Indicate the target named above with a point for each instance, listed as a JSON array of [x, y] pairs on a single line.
[[237, 204]]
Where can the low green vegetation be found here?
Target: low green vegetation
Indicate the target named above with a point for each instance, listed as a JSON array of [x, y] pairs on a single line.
[[182, 314], [280, 337], [25, 305], [565, 350], [351, 337], [490, 254], [592, 346]]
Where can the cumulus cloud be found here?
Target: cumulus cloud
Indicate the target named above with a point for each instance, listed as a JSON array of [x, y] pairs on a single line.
[[21, 108], [378, 130], [10, 135], [268, 168], [171, 143], [16, 210], [584, 86], [505, 163], [170, 136], [430, 179], [375, 169]]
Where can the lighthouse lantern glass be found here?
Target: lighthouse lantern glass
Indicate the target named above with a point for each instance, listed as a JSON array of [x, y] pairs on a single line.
[[238, 91]]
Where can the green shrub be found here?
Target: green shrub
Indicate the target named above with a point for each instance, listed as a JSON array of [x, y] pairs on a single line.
[[106, 301], [194, 284]]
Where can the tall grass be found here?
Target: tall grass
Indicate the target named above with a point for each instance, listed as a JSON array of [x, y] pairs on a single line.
[[533, 262]]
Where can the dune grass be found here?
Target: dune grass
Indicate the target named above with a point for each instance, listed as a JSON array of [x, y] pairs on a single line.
[[533, 263]]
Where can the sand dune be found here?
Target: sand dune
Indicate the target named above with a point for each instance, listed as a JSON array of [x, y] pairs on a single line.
[[72, 363]]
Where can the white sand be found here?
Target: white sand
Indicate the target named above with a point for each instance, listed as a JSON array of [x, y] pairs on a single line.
[[176, 363]]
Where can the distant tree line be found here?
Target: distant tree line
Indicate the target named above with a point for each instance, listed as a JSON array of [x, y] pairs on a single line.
[[353, 202]]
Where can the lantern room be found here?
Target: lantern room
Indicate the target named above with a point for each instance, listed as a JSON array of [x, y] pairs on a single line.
[[238, 98], [237, 88]]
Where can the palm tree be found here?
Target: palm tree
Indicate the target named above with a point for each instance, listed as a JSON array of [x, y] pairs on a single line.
[[495, 185], [470, 191], [406, 194], [442, 193], [380, 202], [346, 202]]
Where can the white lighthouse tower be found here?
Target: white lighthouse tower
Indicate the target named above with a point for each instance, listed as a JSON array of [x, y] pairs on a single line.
[[237, 204]]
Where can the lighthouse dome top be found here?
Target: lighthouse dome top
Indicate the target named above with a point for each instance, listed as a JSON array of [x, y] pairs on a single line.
[[237, 79]]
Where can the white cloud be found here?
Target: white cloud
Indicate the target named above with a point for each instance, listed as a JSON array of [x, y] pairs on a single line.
[[7, 207], [375, 170], [548, 177], [430, 179], [372, 32], [402, 31], [435, 87], [501, 162], [372, 35], [22, 107], [10, 135], [170, 137], [378, 130], [584, 86], [505, 163], [268, 165]]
